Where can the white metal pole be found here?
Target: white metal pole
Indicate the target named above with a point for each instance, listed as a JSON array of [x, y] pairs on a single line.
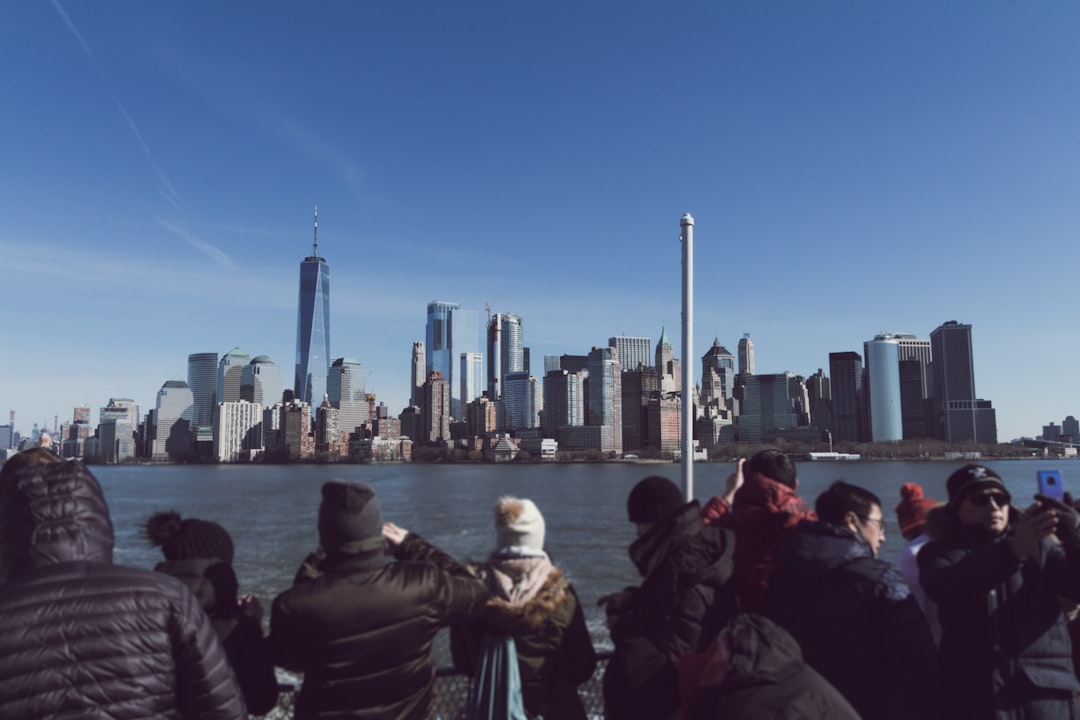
[[687, 238]]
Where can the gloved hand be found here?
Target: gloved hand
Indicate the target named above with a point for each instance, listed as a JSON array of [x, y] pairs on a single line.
[[1068, 523]]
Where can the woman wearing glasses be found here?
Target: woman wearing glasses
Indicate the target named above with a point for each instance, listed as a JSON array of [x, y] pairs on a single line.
[[996, 574]]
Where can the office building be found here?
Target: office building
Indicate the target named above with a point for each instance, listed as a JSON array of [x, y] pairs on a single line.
[[668, 369], [171, 437], [633, 352], [746, 355], [883, 373], [819, 393], [472, 376], [638, 385], [717, 376], [202, 375], [505, 351], [450, 332], [845, 376], [605, 395], [261, 381], [313, 327], [961, 417], [770, 403], [346, 393], [522, 401], [230, 375], [564, 403], [436, 411], [418, 374]]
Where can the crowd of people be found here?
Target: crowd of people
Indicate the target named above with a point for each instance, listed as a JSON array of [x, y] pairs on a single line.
[[757, 605]]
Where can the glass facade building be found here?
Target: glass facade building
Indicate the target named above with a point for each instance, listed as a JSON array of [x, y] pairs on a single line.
[[313, 329], [883, 380], [451, 331]]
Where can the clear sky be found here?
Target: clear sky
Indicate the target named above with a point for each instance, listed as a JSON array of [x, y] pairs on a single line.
[[852, 167]]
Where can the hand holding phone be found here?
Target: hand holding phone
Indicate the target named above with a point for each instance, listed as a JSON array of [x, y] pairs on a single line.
[[1050, 484]]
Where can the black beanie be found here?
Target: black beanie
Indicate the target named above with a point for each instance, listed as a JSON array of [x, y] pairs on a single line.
[[653, 499], [191, 538], [349, 518], [968, 478]]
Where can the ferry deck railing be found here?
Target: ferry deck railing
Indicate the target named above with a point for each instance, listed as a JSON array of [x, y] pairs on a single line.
[[452, 690]]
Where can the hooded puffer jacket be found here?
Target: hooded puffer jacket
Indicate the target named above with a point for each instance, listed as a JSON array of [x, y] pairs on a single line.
[[682, 602], [1005, 649], [360, 628], [81, 637], [855, 619], [555, 652]]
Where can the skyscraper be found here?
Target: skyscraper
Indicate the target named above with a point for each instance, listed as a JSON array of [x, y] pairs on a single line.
[[313, 327], [605, 395], [845, 376], [717, 375], [450, 332], [472, 376], [668, 369], [419, 373], [260, 381], [961, 417], [505, 351], [564, 405], [202, 379], [770, 403], [633, 352], [171, 439], [230, 375], [345, 388], [746, 355], [883, 368]]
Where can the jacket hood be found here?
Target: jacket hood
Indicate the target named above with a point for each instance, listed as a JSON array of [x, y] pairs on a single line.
[[767, 504], [759, 651], [688, 549], [505, 616], [817, 547], [51, 514]]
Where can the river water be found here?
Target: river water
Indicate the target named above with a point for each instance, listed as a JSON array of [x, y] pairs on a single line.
[[271, 510]]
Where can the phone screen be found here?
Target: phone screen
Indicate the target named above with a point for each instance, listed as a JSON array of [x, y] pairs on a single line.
[[1050, 484]]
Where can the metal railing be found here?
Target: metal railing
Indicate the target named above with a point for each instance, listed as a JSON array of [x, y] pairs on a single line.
[[452, 690]]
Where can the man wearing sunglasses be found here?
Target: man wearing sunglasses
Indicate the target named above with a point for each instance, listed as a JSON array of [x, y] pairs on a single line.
[[996, 573]]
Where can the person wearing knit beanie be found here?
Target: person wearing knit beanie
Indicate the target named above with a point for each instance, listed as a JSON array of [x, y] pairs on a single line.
[[653, 500], [912, 510], [518, 524], [350, 520], [183, 539]]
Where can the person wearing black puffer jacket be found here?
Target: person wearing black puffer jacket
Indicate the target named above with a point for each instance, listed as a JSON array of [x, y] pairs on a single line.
[[682, 602], [997, 575], [81, 637], [199, 553], [359, 625], [851, 612]]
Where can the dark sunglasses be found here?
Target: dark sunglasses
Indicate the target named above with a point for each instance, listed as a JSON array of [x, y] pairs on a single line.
[[1000, 499]]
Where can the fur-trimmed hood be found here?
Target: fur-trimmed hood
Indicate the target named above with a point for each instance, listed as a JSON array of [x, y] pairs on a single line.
[[505, 615]]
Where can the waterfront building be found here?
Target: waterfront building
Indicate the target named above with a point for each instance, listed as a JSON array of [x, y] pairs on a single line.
[[436, 410], [883, 373], [505, 351], [1070, 428], [668, 368], [261, 381], [564, 403], [961, 417], [845, 375], [345, 392], [171, 436], [581, 438], [73, 438], [271, 427], [522, 401], [472, 376], [633, 352], [717, 376], [418, 366], [481, 418], [914, 404], [711, 431], [746, 355], [819, 393], [116, 440], [295, 436], [665, 423], [202, 372], [637, 386], [230, 375], [313, 327], [7, 436], [770, 403], [238, 431], [330, 438], [450, 332], [605, 395]]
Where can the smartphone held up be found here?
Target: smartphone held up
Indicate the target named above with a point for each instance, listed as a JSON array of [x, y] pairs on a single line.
[[1050, 484]]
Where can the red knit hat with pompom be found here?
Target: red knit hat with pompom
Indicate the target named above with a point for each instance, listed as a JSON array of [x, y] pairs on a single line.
[[913, 507]]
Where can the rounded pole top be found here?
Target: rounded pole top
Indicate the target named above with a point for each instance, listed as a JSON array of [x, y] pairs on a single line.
[[687, 219]]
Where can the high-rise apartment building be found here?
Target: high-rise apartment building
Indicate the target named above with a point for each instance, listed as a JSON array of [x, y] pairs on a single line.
[[605, 395], [313, 327], [418, 374], [472, 376], [522, 401], [450, 332], [202, 379], [505, 351], [746, 355], [960, 416], [171, 439], [238, 431], [436, 410], [346, 392], [883, 372], [845, 376], [261, 381], [633, 352], [564, 403]]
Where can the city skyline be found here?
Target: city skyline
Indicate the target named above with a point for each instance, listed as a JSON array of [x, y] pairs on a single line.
[[852, 170]]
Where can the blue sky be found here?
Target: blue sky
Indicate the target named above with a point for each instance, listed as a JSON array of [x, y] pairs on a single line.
[[852, 167]]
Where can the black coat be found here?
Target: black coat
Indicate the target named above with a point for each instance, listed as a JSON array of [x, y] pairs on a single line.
[[766, 679], [81, 637], [361, 631], [682, 602], [1005, 648], [855, 619], [213, 583]]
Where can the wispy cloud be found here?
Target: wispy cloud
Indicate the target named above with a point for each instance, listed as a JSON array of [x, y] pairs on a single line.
[[214, 253], [165, 185]]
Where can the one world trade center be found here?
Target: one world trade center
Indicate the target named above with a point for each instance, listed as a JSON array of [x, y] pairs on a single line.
[[313, 327]]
